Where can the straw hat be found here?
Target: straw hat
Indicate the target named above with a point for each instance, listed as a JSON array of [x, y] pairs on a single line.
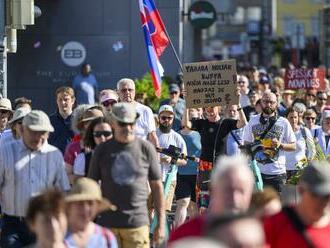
[[85, 189], [89, 115]]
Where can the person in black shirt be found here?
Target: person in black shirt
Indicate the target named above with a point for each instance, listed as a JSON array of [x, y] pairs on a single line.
[[250, 110], [213, 131]]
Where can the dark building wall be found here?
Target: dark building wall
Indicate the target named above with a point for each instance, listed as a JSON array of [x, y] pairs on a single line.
[[109, 30]]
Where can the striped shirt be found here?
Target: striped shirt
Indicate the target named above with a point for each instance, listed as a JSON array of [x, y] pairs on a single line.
[[25, 173]]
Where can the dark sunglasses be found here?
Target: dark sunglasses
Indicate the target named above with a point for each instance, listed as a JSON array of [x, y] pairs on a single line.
[[2, 111], [174, 92], [98, 134], [310, 118], [309, 94], [163, 118], [108, 103], [322, 99]]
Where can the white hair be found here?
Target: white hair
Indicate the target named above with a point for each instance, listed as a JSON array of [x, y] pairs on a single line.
[[125, 81], [225, 164]]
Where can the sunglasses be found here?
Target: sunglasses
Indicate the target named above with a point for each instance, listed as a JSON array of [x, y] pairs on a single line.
[[124, 90], [109, 103], [4, 112], [164, 118], [322, 99], [310, 118], [309, 94], [174, 92], [98, 134]]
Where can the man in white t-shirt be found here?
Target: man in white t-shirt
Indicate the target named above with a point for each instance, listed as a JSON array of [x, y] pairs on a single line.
[[145, 124], [166, 137], [272, 142]]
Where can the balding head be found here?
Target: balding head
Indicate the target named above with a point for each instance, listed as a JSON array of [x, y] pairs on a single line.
[[231, 185], [269, 103]]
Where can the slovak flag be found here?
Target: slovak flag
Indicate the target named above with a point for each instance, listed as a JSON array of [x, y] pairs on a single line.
[[155, 38]]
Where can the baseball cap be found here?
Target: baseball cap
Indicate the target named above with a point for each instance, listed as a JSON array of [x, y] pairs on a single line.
[[174, 88], [106, 95], [166, 108], [316, 178], [124, 112], [264, 80], [38, 120], [19, 114], [5, 104]]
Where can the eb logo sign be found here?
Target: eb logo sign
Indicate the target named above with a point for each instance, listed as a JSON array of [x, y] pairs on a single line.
[[73, 54]]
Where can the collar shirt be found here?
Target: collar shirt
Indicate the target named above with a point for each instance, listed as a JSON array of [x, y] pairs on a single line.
[[25, 173]]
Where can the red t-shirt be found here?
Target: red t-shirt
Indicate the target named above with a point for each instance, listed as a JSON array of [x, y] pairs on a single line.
[[192, 228], [281, 233], [71, 152]]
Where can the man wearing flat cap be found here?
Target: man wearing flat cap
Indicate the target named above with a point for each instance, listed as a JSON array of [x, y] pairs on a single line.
[[28, 166], [124, 165], [308, 223]]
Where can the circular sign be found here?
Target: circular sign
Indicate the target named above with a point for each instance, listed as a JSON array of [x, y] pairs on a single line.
[[73, 53], [202, 14]]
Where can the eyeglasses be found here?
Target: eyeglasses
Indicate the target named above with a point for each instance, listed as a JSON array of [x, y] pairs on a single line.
[[322, 99], [241, 82], [123, 124], [98, 134], [309, 94], [174, 92], [269, 102], [164, 118], [310, 118], [109, 103], [129, 90]]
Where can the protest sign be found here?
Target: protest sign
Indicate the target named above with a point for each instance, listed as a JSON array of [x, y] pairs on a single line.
[[304, 79], [210, 84]]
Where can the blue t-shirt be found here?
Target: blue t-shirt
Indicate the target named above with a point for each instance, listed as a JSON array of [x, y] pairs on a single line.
[[85, 88], [232, 145], [193, 142]]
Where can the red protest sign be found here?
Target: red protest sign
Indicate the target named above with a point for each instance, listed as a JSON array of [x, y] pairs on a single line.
[[304, 79]]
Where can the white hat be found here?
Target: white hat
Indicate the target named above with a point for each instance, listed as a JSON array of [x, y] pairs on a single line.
[[5, 104], [38, 120], [166, 108], [19, 114]]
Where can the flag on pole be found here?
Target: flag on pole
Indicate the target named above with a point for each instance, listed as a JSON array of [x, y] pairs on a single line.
[[155, 39]]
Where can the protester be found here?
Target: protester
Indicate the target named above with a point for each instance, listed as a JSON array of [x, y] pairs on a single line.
[[250, 110], [308, 223], [266, 203], [237, 230], [145, 125], [186, 179], [98, 131], [321, 102], [6, 114], [275, 136], [305, 148], [124, 165], [85, 85], [310, 119], [85, 114], [108, 98], [61, 119], [288, 98], [213, 131], [300, 108], [235, 137], [310, 98], [22, 102], [231, 189], [27, 167], [46, 218], [177, 103], [322, 134], [243, 84], [84, 202], [15, 123], [167, 137]]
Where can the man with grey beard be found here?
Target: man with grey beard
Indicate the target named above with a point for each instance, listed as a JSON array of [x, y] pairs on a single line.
[[270, 135]]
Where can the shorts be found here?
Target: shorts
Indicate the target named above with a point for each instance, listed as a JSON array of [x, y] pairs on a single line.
[[186, 187]]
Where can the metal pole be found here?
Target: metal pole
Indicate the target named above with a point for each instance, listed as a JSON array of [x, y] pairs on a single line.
[[173, 49]]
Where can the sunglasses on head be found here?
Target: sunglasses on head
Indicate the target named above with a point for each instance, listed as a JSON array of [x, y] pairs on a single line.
[[109, 103], [310, 118], [98, 134]]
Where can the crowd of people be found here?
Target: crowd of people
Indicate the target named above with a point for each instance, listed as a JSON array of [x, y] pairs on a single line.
[[103, 170]]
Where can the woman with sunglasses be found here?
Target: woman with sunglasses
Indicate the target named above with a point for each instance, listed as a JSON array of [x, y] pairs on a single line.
[[97, 132], [309, 118]]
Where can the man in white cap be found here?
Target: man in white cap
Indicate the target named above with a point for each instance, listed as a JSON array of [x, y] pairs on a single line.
[[28, 166], [145, 125], [6, 113], [167, 136], [124, 165]]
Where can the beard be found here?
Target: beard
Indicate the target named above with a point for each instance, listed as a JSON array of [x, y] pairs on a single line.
[[268, 110], [164, 128]]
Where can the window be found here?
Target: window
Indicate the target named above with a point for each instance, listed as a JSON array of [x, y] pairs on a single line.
[[288, 25], [315, 26]]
